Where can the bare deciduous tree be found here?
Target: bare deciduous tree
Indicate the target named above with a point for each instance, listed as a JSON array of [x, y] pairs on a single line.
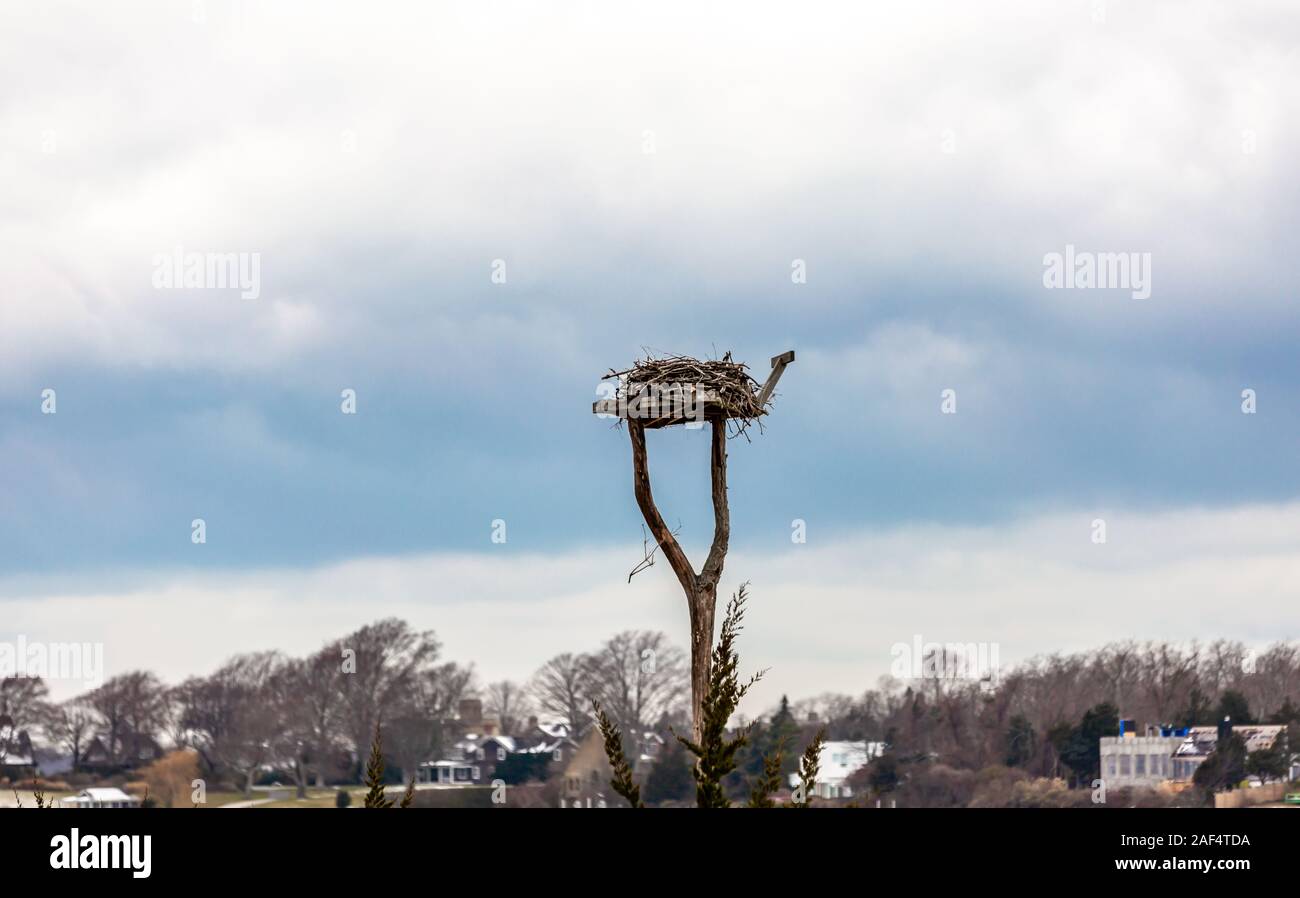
[[381, 665], [133, 709], [1167, 675], [313, 689], [414, 730], [638, 676], [70, 725], [232, 717], [559, 688], [508, 703], [22, 709]]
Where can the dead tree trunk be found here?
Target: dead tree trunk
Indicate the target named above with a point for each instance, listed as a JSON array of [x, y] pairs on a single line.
[[701, 589]]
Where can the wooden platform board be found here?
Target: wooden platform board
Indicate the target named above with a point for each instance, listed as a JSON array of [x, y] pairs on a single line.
[[664, 410], [683, 407]]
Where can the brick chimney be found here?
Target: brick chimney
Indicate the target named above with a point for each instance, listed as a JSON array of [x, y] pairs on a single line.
[[470, 711]]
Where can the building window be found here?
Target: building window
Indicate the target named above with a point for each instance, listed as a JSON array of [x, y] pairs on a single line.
[[1110, 765], [555, 755], [501, 754], [1124, 765], [1140, 765], [478, 754], [476, 773]]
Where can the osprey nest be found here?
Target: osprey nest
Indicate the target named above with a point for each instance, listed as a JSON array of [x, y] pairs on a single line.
[[660, 392]]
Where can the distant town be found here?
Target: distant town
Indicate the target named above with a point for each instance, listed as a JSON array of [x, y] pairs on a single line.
[[1213, 725]]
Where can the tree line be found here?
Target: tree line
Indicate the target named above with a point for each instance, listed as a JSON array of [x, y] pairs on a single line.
[[312, 718]]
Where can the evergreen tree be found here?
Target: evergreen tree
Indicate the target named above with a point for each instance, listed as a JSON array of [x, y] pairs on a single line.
[[1198, 712], [765, 740], [522, 767], [1225, 767], [1287, 714], [809, 766], [767, 785], [375, 774], [749, 761], [715, 753], [1021, 742], [883, 774], [781, 732], [670, 778], [622, 782], [1233, 705], [1080, 748], [1268, 763]]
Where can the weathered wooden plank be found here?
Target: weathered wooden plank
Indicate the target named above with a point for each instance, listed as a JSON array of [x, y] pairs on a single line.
[[778, 366], [663, 410]]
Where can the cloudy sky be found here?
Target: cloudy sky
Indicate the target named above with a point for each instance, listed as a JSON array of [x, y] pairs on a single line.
[[649, 177]]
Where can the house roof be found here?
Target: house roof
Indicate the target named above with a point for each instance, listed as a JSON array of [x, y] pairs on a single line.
[[556, 730], [104, 793], [1200, 741], [101, 794], [475, 741]]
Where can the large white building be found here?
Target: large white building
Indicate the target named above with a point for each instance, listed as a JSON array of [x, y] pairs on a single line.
[[836, 763], [1170, 754], [1133, 760]]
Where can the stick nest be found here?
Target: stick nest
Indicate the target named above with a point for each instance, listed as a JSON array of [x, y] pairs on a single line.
[[735, 392]]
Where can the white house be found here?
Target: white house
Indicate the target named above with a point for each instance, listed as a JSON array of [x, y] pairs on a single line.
[[100, 798], [838, 761], [447, 772], [1133, 760], [17, 765], [1168, 753]]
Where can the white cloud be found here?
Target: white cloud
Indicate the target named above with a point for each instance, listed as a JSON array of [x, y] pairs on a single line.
[[510, 131], [823, 616]]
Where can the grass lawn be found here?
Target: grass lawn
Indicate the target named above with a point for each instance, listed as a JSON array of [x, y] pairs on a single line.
[[316, 799], [217, 799]]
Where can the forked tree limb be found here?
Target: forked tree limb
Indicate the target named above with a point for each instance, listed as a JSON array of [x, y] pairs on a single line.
[[677, 559], [701, 589], [712, 571]]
